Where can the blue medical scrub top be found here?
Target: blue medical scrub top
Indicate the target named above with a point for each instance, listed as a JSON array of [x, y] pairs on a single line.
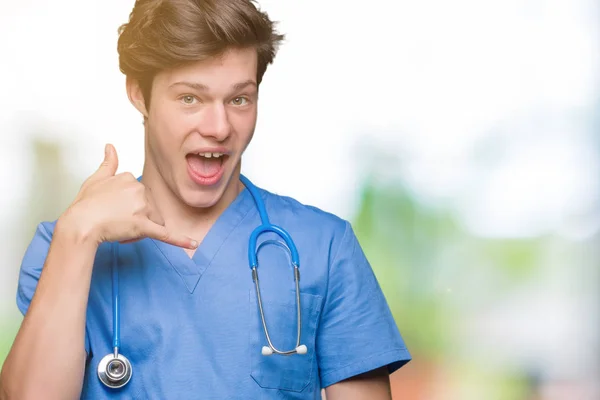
[[191, 326]]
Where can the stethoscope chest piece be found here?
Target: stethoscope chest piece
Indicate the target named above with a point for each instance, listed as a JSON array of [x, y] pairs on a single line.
[[114, 370]]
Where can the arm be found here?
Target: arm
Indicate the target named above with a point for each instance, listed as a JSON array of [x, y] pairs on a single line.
[[47, 359], [373, 385], [358, 342]]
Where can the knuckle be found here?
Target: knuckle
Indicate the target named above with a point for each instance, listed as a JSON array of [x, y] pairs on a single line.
[[139, 188], [126, 176], [137, 229], [144, 208], [140, 207], [164, 235], [140, 198], [136, 190]]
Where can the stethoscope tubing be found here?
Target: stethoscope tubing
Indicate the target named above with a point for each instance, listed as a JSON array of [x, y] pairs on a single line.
[[115, 360]]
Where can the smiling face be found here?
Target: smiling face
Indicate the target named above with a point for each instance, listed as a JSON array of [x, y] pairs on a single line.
[[201, 119]]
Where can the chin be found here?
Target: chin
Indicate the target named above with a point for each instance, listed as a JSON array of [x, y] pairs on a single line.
[[201, 200], [201, 197]]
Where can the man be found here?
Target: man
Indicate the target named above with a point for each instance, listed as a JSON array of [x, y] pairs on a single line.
[[191, 322]]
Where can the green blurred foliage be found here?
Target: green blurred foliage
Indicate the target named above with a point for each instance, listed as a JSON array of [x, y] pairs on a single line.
[[51, 190], [8, 330], [401, 240], [420, 253], [426, 262]]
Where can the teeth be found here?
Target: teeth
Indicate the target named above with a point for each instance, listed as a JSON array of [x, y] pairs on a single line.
[[210, 155]]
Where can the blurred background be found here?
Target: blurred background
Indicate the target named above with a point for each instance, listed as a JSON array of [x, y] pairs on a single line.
[[460, 138]]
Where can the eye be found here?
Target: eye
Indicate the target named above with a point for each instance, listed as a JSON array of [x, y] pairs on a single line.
[[239, 101], [188, 99]]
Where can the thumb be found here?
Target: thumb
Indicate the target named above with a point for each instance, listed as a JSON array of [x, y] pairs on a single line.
[[109, 164]]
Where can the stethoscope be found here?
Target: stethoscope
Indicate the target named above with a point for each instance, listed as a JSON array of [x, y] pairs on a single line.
[[114, 370]]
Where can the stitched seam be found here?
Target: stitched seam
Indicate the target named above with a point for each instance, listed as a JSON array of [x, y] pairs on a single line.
[[337, 253], [334, 260], [395, 349], [229, 234], [215, 253], [164, 255]]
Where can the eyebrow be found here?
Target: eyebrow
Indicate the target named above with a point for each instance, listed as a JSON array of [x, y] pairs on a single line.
[[203, 88]]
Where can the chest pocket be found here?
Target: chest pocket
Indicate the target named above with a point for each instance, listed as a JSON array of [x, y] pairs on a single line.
[[292, 372]]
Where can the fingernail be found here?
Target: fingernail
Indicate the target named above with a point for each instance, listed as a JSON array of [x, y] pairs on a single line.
[[194, 244]]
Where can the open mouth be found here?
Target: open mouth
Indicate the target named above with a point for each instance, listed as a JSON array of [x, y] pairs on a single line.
[[206, 168]]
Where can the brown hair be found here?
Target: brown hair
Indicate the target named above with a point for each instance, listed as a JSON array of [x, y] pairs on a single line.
[[164, 34]]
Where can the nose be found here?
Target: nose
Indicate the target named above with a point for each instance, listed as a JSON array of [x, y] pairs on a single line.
[[215, 123]]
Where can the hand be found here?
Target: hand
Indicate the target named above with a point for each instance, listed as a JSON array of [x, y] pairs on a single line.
[[113, 207]]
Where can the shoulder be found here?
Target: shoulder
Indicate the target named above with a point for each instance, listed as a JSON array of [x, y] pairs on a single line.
[[308, 219], [308, 215]]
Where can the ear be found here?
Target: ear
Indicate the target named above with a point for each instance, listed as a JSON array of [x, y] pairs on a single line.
[[136, 97]]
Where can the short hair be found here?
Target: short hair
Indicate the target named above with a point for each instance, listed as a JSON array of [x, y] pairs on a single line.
[[165, 34]]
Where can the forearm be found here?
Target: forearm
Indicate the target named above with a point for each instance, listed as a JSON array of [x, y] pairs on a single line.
[[374, 385], [47, 359]]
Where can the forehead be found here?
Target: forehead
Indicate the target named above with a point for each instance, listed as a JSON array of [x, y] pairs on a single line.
[[233, 66]]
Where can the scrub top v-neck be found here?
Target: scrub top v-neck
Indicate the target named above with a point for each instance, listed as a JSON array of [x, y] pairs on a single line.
[[191, 269], [190, 325]]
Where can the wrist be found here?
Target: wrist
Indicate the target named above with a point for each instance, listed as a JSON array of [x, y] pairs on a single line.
[[74, 229]]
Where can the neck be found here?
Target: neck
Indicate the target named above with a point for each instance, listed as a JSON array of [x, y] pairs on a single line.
[[181, 217]]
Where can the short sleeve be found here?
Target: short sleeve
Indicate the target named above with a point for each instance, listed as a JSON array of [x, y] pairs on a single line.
[[357, 332], [32, 265]]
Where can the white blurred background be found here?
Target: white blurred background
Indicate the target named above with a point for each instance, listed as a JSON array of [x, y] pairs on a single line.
[[463, 135]]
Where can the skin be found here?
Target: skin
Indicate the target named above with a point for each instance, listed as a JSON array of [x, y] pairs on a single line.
[[208, 104], [371, 385], [50, 342]]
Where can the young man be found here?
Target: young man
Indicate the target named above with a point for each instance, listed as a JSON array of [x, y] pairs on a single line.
[[178, 237]]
